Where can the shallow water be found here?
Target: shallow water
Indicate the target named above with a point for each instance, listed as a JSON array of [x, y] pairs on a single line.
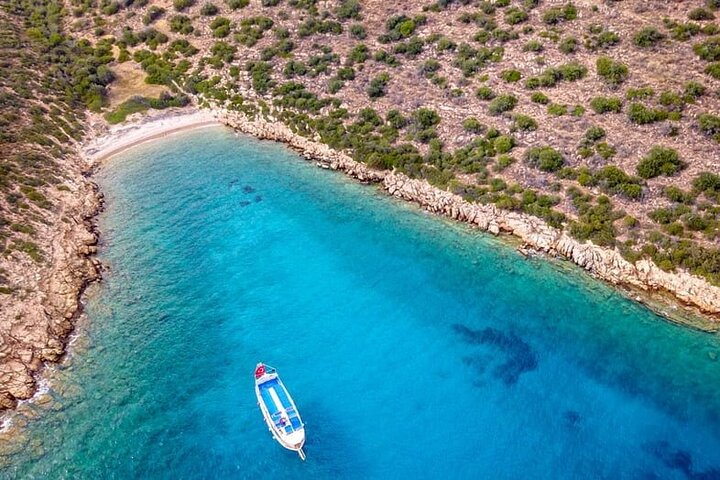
[[414, 347]]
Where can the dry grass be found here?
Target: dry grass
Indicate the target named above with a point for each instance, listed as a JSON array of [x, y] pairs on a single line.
[[130, 81]]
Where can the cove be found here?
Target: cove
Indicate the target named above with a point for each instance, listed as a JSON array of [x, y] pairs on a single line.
[[413, 346]]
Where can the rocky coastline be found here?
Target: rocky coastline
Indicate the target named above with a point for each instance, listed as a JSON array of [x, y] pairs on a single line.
[[663, 289], [39, 321]]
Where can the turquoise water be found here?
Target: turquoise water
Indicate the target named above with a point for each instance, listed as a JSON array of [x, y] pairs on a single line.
[[413, 347]]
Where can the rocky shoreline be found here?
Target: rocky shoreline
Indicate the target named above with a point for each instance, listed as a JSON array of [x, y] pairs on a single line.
[[39, 323], [696, 296]]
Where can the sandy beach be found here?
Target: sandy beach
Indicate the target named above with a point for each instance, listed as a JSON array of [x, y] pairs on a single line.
[[150, 127]]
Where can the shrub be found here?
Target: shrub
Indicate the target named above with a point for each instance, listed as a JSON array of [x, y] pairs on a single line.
[[533, 46], [648, 37], [504, 143], [181, 24], [710, 125], [334, 85], [709, 50], [660, 161], [642, 115], [525, 122], [153, 14], [694, 90], [568, 45], [503, 162], [237, 4], [358, 54], [614, 180], [357, 31], [713, 70], [675, 194], [555, 15], [209, 10], [603, 39], [700, 14], [514, 15], [502, 103], [612, 72], [545, 158], [472, 124], [707, 183], [540, 97], [485, 93], [605, 150], [181, 5], [348, 9], [594, 134], [639, 93], [510, 76], [606, 104], [378, 85], [556, 109]]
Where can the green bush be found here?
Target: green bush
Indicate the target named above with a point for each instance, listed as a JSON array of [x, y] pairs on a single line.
[[539, 97], [556, 109], [676, 194], [713, 70], [181, 5], [472, 124], [358, 54], [348, 9], [648, 37], [612, 72], [602, 39], [606, 105], [614, 180], [504, 143], [545, 158], [237, 4], [514, 15], [710, 125], [357, 31], [502, 103], [209, 9], [555, 15], [639, 93], [485, 93], [694, 90], [709, 50], [660, 161], [378, 85], [707, 183], [568, 45], [525, 122], [533, 46], [510, 76], [594, 134], [503, 162], [642, 115], [700, 14], [181, 24], [153, 14]]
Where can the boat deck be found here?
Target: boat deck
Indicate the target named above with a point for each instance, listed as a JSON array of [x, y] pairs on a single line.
[[279, 406]]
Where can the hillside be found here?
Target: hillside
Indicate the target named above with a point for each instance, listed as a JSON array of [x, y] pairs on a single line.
[[599, 116]]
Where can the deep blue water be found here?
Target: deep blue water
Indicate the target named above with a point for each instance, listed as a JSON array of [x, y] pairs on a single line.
[[414, 347]]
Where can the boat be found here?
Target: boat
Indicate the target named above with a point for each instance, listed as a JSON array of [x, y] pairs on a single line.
[[278, 409]]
